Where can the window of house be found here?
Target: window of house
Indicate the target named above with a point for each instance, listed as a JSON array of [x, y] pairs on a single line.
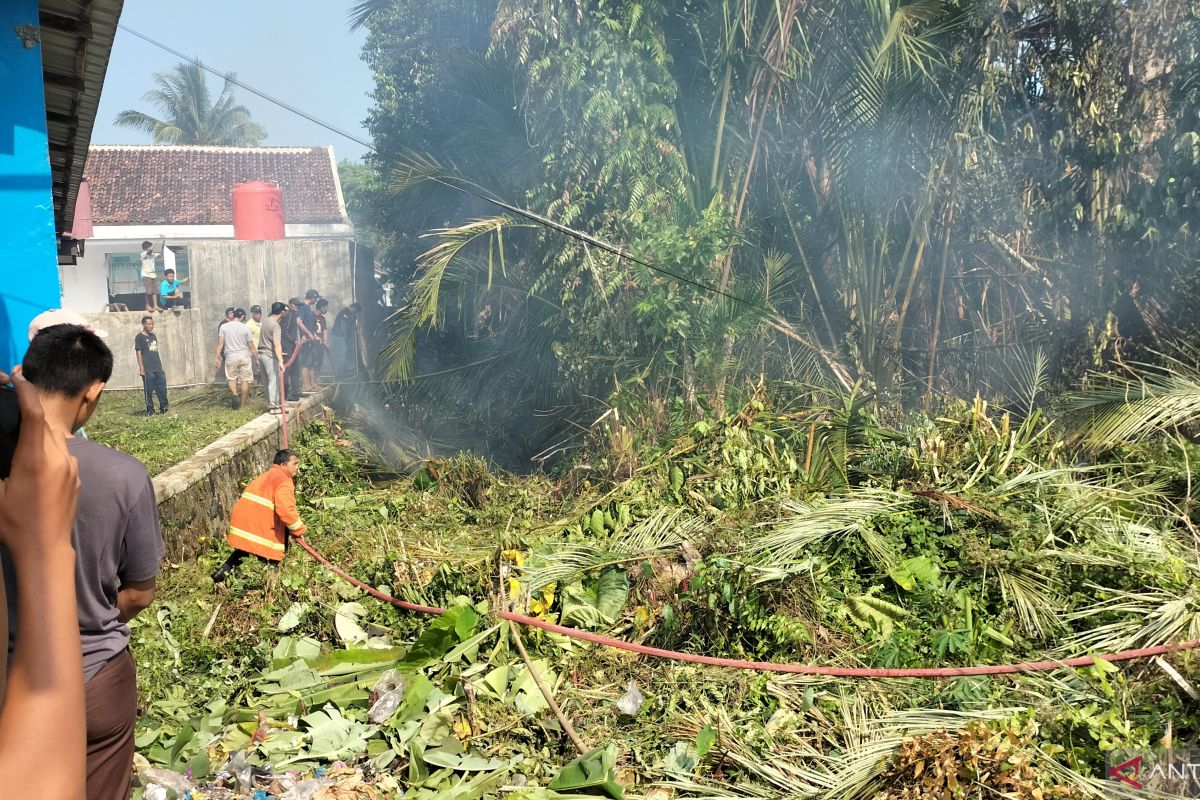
[[124, 273]]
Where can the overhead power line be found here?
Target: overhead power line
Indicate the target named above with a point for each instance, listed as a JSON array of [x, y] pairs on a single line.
[[532, 216]]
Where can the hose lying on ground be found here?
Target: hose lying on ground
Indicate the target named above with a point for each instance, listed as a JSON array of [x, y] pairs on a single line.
[[770, 666]]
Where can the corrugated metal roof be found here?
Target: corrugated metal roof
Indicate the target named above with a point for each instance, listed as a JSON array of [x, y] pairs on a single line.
[[76, 40]]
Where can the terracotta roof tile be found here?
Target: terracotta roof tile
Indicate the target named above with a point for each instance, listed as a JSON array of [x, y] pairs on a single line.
[[169, 185]]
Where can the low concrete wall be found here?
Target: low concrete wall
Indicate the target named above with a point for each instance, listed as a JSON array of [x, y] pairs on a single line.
[[228, 273], [184, 343], [196, 495]]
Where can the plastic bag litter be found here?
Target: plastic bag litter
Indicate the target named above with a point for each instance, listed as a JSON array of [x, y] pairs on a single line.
[[390, 681], [630, 703], [160, 782], [295, 789], [389, 691], [167, 778], [241, 770]]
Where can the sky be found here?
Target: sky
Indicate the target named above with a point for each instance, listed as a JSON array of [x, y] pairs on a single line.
[[299, 51]]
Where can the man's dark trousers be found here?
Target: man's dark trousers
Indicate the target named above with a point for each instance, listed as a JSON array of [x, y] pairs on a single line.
[[155, 383], [291, 377]]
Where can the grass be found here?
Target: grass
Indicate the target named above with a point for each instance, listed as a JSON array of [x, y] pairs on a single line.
[[196, 418]]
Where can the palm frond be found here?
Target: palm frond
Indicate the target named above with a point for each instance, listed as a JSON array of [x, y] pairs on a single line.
[[666, 530], [812, 526], [1146, 618], [424, 308], [1035, 598], [1118, 409], [364, 11], [1028, 377]]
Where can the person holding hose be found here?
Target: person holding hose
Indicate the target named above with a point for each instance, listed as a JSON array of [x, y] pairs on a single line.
[[264, 516]]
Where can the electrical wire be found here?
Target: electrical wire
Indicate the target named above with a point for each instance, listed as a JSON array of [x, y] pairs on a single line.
[[532, 216]]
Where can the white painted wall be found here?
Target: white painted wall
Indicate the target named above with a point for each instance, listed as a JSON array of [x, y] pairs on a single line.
[[85, 284]]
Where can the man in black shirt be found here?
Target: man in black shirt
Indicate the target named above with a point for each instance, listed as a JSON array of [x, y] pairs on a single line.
[[154, 380], [314, 350], [291, 337]]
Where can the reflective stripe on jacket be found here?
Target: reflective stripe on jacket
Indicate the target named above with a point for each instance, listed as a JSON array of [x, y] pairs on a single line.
[[265, 514]]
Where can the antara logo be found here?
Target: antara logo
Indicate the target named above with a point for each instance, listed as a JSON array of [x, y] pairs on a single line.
[[1168, 772], [1120, 772]]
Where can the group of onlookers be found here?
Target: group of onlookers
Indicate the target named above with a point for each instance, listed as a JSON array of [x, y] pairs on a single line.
[[284, 350], [83, 547]]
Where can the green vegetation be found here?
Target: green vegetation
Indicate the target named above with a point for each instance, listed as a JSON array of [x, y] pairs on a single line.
[[807, 532], [819, 333], [190, 115], [909, 197], [197, 417]]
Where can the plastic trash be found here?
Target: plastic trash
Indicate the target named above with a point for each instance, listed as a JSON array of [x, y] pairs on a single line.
[[166, 778], [630, 703], [241, 770], [389, 692], [295, 789], [390, 681], [160, 783]]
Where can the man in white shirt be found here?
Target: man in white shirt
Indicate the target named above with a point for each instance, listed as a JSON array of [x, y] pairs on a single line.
[[150, 276], [233, 339]]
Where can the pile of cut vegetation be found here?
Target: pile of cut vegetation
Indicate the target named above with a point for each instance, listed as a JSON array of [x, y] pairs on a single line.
[[803, 534]]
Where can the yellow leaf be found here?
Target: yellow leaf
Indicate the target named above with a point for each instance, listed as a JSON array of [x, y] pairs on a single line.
[[462, 729]]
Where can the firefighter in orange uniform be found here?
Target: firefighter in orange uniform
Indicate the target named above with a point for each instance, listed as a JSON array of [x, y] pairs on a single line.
[[265, 515]]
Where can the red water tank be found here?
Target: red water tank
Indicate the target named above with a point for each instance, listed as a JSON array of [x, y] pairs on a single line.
[[257, 211]]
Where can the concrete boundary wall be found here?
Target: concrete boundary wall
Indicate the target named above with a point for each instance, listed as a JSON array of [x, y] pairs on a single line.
[[184, 346], [196, 495]]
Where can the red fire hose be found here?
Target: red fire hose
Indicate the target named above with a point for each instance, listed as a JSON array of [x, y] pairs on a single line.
[[737, 663], [770, 666], [283, 389]]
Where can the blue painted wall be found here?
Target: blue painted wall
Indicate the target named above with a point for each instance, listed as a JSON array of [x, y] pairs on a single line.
[[28, 260]]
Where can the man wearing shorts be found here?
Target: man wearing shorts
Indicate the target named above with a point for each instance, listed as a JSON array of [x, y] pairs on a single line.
[[233, 341], [150, 276]]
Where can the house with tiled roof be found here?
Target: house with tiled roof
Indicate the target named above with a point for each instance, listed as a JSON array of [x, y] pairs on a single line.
[[182, 195], [181, 198]]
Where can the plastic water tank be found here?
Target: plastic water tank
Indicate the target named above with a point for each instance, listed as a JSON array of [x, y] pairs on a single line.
[[257, 211]]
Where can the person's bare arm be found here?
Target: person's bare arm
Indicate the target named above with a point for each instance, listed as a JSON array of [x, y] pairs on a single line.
[[133, 597], [305, 333], [42, 717], [141, 366], [220, 348]]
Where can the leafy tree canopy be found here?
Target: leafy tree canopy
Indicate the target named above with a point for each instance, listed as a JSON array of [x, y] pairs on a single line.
[[190, 115], [911, 197]]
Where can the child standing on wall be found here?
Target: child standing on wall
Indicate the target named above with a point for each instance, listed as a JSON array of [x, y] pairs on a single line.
[[150, 276]]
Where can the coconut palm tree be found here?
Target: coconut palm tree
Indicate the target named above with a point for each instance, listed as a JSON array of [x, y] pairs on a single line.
[[190, 115]]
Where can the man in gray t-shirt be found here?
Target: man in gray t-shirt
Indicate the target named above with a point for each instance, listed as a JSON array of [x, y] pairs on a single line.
[[118, 547], [270, 355], [233, 341]]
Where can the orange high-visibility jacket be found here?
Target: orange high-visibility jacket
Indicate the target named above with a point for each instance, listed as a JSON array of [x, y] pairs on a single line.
[[265, 514]]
